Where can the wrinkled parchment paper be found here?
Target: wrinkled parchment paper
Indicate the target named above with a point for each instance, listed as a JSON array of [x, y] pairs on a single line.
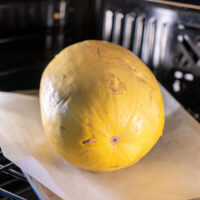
[[170, 171]]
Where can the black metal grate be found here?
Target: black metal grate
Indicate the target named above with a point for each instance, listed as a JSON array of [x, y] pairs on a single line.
[[13, 184]]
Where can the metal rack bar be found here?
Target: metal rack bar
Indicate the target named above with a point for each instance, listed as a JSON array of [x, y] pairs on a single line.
[[13, 173], [8, 182], [6, 166], [10, 195]]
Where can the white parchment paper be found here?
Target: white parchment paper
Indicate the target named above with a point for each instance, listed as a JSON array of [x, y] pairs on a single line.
[[170, 171]]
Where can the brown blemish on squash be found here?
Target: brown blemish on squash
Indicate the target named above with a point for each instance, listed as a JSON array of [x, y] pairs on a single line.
[[116, 85], [150, 96], [111, 59], [133, 69], [115, 166], [114, 59], [89, 124], [85, 150], [63, 77], [141, 80], [129, 65], [89, 141], [62, 127], [115, 140], [98, 52]]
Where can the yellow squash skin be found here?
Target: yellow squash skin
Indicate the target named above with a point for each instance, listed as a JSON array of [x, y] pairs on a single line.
[[101, 107]]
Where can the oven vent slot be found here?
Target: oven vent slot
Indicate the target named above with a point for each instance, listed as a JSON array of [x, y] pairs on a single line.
[[133, 31]]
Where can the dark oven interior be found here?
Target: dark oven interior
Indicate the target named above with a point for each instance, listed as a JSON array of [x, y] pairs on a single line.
[[164, 34]]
